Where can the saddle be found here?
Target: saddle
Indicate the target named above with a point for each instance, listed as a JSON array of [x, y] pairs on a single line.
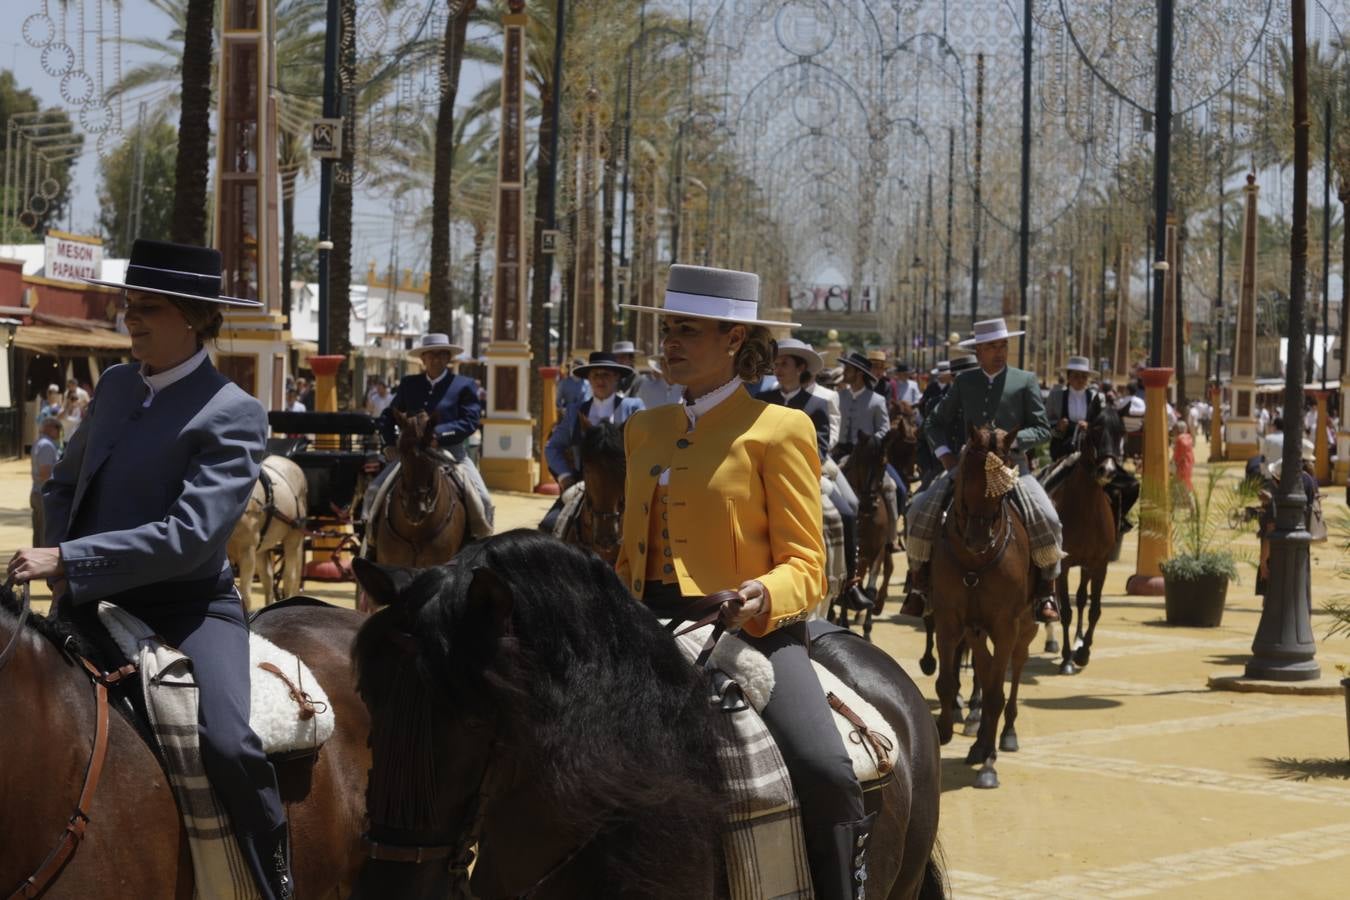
[[763, 842], [1054, 474]]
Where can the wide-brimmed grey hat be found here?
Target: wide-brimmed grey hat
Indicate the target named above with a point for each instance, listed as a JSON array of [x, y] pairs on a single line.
[[1275, 466], [623, 347], [1080, 364], [432, 342], [723, 295], [942, 366], [990, 330], [963, 363], [183, 271], [804, 351]]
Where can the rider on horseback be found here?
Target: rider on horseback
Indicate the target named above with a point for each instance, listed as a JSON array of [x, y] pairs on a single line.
[[1072, 408], [140, 508], [1010, 399], [863, 411], [452, 402], [724, 492], [604, 373]]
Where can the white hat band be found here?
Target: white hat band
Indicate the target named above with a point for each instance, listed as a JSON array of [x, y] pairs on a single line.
[[720, 307]]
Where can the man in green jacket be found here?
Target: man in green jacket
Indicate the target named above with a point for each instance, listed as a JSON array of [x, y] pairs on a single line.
[[1007, 398]]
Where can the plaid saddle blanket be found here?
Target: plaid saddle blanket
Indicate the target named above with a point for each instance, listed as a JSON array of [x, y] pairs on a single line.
[[762, 841], [571, 500], [288, 710], [923, 522]]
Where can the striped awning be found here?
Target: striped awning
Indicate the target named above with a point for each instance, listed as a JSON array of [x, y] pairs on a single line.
[[58, 339]]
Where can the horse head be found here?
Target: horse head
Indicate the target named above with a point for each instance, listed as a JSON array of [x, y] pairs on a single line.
[[603, 468], [982, 483], [432, 733], [903, 452], [418, 481], [866, 466], [1102, 447]]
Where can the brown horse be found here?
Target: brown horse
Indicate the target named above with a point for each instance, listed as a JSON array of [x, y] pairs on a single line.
[[1089, 531], [522, 701], [134, 844], [903, 453], [598, 522], [423, 521], [865, 468], [983, 580]]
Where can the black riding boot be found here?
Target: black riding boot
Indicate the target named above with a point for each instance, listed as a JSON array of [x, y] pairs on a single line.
[[1044, 603], [852, 597], [279, 873], [849, 881]]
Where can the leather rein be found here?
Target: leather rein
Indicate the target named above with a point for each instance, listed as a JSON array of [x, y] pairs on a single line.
[[34, 885], [998, 545]]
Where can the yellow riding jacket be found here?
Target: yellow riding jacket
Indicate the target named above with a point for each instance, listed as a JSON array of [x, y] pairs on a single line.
[[743, 503]]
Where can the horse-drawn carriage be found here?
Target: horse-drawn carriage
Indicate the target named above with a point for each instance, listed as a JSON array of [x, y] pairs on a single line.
[[307, 538]]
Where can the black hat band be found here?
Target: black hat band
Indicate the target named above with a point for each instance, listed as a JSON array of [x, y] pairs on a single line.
[[193, 283]]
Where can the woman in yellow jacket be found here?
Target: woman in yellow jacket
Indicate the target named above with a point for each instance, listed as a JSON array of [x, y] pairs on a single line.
[[723, 493]]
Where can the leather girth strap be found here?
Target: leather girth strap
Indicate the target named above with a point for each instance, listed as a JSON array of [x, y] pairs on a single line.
[[51, 867]]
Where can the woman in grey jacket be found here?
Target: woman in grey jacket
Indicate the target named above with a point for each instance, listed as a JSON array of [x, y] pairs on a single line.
[[139, 509]]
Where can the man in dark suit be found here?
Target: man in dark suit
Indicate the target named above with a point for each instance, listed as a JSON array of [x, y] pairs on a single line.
[[452, 402]]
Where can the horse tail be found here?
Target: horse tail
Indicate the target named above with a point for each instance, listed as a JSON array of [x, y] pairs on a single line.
[[934, 885]]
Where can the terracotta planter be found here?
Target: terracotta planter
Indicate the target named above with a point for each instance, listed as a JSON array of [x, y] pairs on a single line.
[[1197, 602]]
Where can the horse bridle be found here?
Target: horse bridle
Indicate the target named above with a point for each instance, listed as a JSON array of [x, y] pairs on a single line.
[[12, 646], [596, 519]]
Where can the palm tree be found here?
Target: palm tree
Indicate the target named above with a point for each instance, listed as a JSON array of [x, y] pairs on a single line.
[[194, 125]]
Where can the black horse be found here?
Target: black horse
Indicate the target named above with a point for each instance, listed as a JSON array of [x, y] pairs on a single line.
[[523, 702]]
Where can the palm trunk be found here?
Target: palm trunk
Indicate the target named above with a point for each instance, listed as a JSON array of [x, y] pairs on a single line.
[[340, 217], [542, 262], [607, 251], [1343, 194], [288, 177], [440, 297], [479, 236], [194, 126]]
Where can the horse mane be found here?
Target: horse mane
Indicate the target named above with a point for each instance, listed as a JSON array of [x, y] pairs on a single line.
[[592, 690], [603, 442], [1110, 419], [60, 632]]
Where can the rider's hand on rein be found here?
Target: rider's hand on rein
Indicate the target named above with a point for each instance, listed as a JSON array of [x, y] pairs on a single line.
[[753, 600], [33, 563]]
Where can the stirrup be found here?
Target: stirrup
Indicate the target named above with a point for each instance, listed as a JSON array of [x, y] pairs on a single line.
[[1046, 609], [855, 600]]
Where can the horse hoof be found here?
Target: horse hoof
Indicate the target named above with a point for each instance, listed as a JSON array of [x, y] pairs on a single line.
[[975, 755], [972, 726], [987, 779], [944, 730], [1082, 655], [928, 665], [1051, 646], [1068, 668], [1008, 743]]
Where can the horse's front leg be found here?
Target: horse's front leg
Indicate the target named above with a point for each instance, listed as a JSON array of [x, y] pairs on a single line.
[[948, 644], [1021, 649], [1084, 653], [991, 672], [927, 662], [1066, 620]]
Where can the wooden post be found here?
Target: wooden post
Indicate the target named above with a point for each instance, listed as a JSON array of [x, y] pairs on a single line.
[[1155, 526]]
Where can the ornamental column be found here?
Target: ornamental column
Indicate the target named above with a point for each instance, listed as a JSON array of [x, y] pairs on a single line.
[[246, 198], [1322, 464], [1243, 441], [1155, 526], [508, 430], [1120, 356]]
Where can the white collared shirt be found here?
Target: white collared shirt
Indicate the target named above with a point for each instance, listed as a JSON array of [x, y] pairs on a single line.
[[160, 380], [602, 410], [788, 395], [1076, 407], [439, 378]]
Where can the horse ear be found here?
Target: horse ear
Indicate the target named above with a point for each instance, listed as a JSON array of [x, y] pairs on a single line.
[[490, 593], [1010, 440], [384, 584], [973, 435]]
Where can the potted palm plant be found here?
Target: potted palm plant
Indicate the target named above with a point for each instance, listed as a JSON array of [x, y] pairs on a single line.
[[1340, 624], [1195, 579]]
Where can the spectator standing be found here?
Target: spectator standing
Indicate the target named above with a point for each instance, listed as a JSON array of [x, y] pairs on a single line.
[[44, 457], [51, 405], [379, 399]]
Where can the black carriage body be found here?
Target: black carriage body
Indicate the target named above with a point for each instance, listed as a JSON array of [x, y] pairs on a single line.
[[332, 475]]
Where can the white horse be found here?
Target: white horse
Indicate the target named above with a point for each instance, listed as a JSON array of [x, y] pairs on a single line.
[[273, 520]]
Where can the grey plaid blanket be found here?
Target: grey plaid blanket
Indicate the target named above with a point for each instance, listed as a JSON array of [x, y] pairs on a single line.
[[218, 868], [836, 567], [923, 522], [762, 840], [571, 500]]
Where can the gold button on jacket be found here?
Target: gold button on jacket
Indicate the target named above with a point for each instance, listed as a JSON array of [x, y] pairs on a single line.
[[744, 502]]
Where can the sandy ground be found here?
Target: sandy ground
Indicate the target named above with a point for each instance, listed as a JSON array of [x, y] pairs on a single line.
[[1134, 778]]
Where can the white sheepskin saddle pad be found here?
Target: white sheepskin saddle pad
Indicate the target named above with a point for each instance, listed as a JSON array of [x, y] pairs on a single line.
[[289, 710], [873, 758]]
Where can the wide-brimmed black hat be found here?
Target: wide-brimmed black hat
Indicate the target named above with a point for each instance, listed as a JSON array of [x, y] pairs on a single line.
[[860, 362], [602, 360], [175, 270]]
